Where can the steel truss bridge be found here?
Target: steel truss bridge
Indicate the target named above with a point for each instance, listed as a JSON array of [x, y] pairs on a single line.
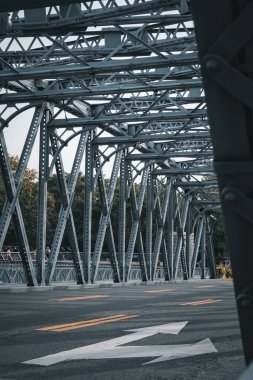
[[122, 80]]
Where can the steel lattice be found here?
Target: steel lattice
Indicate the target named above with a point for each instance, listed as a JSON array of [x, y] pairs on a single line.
[[122, 78]]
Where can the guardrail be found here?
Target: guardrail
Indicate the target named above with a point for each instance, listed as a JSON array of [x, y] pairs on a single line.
[[13, 273]]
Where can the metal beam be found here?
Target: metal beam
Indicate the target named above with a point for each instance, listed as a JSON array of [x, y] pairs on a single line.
[[225, 50], [14, 5]]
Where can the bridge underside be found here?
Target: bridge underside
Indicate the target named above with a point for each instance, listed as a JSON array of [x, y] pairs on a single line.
[[120, 82]]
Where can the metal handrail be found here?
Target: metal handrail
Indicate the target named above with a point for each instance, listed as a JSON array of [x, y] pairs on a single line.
[[13, 273]]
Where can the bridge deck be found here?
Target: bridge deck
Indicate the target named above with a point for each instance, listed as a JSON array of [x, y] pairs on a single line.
[[50, 322]]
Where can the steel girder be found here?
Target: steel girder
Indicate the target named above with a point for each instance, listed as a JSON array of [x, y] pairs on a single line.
[[122, 77], [225, 49]]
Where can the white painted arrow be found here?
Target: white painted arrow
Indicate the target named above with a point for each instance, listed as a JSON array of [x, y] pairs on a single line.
[[110, 349]]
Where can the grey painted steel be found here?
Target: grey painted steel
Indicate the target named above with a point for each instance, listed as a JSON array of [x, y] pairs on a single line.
[[65, 218], [210, 249], [14, 274], [42, 197], [122, 217], [197, 243], [149, 213], [12, 5], [125, 80], [105, 224], [188, 234], [179, 252], [136, 212], [203, 250], [9, 207], [79, 91], [105, 219], [170, 231], [136, 208], [159, 241], [88, 208], [10, 187]]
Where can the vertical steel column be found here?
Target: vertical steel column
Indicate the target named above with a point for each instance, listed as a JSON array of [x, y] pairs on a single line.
[[149, 209], [203, 250], [180, 238], [122, 218], [170, 232], [141, 255], [210, 249], [196, 244], [88, 208], [188, 232], [42, 197]]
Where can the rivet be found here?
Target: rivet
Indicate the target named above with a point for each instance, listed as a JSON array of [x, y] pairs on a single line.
[[211, 64], [246, 302], [229, 196]]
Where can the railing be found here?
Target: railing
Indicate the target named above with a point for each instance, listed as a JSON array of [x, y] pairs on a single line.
[[13, 273]]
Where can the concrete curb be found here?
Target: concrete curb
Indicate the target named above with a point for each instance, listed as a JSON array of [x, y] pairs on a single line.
[[23, 288]]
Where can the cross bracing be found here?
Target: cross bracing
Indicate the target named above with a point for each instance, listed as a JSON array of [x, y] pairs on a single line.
[[122, 80]]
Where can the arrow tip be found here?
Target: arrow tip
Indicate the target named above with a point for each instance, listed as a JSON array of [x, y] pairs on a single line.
[[204, 346], [168, 328]]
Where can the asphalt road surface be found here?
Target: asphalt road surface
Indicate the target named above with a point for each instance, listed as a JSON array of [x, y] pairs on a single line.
[[179, 331]]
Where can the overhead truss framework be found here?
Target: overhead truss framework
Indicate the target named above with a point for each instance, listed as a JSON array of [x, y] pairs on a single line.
[[122, 79]]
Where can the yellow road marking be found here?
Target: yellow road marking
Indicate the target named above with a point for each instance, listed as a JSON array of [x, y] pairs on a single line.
[[227, 279], [91, 322], [203, 302], [97, 323], [77, 298], [204, 286], [78, 323], [159, 291], [206, 302]]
